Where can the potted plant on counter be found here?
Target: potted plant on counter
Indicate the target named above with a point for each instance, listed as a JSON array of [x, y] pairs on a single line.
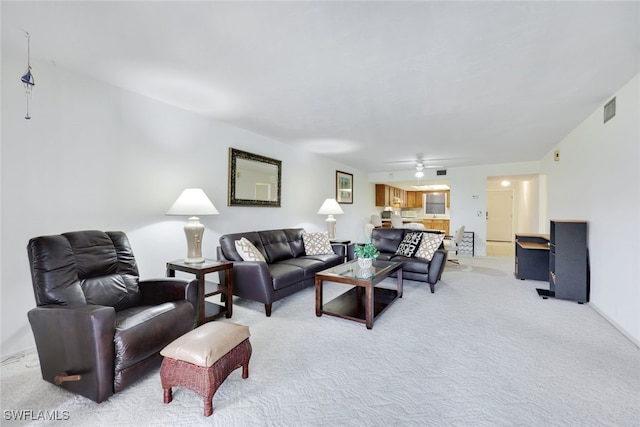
[[366, 254]]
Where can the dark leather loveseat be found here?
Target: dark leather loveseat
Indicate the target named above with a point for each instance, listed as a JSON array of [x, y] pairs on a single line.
[[387, 241], [287, 268], [97, 327]]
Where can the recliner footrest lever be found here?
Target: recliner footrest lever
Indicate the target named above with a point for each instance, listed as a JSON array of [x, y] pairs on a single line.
[[64, 377]]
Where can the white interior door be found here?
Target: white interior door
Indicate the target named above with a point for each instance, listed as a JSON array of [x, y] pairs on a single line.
[[500, 216]]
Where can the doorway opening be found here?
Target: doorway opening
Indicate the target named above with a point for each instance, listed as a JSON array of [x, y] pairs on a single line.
[[513, 206]]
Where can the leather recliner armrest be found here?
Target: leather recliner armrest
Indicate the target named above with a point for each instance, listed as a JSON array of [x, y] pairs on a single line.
[[159, 291], [77, 340]]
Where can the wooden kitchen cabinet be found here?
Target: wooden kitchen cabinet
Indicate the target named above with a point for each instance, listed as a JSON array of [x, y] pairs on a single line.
[[411, 199], [382, 195], [399, 197], [387, 196], [441, 224], [437, 224], [414, 199]]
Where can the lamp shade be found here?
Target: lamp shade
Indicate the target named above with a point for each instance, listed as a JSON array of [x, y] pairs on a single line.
[[330, 207], [193, 202]]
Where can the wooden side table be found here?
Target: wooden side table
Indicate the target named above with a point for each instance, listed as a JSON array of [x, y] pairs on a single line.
[[342, 242], [208, 310]]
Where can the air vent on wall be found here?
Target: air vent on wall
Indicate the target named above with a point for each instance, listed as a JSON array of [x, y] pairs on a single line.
[[609, 110], [441, 172]]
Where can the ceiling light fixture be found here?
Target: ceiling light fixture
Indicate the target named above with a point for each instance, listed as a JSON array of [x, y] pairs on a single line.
[[419, 168], [27, 77]]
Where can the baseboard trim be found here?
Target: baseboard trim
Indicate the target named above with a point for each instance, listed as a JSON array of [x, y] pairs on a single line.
[[615, 324]]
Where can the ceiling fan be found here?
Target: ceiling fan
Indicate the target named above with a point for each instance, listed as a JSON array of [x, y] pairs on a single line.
[[426, 163], [422, 164]]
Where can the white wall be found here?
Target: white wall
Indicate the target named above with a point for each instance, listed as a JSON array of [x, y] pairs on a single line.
[[97, 157], [597, 179]]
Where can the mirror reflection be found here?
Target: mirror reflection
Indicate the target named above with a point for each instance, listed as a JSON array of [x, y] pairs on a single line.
[[254, 180]]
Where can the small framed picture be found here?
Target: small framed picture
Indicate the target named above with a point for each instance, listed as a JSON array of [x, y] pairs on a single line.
[[344, 187]]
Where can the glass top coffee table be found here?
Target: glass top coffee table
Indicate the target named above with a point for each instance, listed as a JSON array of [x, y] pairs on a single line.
[[364, 302]]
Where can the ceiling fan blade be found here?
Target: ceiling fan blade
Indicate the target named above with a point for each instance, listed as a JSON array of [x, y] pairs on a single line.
[[416, 159], [402, 161], [425, 162]]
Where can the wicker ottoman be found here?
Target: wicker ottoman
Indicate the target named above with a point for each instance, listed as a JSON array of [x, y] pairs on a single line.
[[202, 359]]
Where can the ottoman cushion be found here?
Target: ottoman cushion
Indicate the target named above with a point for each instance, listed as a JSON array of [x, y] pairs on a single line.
[[206, 344]]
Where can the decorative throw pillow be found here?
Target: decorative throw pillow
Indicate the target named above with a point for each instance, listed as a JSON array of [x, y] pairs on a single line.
[[317, 243], [247, 251], [409, 244], [429, 245]]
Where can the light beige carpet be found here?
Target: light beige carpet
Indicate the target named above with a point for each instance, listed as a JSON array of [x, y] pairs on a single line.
[[484, 350]]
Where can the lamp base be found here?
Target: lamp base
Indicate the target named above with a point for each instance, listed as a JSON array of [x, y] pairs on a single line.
[[331, 226], [194, 231]]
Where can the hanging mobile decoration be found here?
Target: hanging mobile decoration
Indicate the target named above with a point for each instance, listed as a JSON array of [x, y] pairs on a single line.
[[27, 78]]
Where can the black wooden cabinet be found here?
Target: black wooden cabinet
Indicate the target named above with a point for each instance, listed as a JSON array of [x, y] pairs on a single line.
[[568, 261], [532, 257]]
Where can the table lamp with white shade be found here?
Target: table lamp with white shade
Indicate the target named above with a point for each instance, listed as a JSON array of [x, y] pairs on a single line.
[[330, 207], [193, 202]]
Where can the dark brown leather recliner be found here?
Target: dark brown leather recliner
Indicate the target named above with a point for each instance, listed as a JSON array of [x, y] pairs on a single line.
[[97, 327]]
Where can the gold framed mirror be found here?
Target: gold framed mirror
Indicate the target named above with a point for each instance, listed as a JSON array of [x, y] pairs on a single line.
[[254, 180]]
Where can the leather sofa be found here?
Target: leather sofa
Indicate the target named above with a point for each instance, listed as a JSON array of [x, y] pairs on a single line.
[[97, 327], [287, 268], [387, 241]]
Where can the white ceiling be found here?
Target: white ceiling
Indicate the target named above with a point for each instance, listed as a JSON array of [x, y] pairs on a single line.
[[366, 83]]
